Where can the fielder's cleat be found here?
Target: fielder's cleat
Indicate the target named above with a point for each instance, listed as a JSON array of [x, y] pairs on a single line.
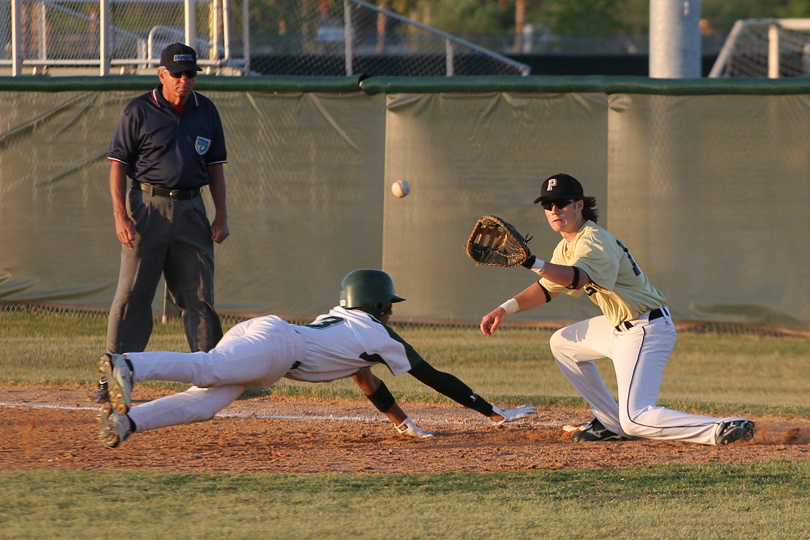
[[102, 394], [113, 427], [595, 431], [735, 430], [115, 368]]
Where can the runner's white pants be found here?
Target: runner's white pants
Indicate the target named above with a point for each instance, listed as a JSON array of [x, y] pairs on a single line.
[[257, 352], [639, 356]]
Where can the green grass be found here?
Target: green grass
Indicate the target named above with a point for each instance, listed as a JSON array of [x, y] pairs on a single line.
[[762, 501], [708, 373], [714, 374]]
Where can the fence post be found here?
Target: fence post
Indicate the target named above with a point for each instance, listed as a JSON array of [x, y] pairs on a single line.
[[191, 23], [226, 30], [246, 34], [773, 51], [16, 38], [381, 31], [448, 57], [42, 29], [216, 15], [104, 38], [347, 35]]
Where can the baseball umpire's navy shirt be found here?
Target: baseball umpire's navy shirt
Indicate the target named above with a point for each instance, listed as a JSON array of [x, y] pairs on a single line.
[[169, 149]]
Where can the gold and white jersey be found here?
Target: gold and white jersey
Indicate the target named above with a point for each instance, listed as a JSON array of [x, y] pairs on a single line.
[[618, 286]]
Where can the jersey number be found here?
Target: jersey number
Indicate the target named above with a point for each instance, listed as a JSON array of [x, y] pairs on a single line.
[[636, 269], [326, 322]]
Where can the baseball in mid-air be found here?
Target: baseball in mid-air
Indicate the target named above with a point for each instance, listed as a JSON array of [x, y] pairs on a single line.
[[400, 188]]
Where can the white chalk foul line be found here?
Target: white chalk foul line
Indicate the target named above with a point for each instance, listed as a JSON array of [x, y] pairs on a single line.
[[334, 417], [328, 417]]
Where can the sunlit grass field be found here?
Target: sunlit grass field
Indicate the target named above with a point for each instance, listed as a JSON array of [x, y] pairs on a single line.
[[735, 374], [762, 374], [715, 502]]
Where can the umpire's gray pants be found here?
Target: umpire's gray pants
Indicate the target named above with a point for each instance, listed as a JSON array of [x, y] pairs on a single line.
[[173, 238]]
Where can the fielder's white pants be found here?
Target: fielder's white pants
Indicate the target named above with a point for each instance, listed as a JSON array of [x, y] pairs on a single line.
[[257, 352], [639, 356]]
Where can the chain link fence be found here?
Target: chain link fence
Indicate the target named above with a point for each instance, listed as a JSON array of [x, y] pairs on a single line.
[[293, 37], [57, 31], [53, 34], [319, 37], [771, 48], [353, 36]]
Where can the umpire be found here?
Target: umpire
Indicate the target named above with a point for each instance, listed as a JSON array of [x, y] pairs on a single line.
[[170, 142]]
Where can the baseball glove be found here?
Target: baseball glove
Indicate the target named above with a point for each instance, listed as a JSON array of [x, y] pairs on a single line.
[[495, 242]]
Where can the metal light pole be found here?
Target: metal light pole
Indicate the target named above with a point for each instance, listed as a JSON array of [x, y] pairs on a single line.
[[675, 39]]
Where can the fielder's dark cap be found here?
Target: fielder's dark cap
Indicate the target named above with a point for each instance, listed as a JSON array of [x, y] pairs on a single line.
[[560, 186], [178, 57]]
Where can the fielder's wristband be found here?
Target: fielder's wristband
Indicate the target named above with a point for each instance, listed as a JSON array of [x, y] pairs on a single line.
[[538, 265], [510, 306]]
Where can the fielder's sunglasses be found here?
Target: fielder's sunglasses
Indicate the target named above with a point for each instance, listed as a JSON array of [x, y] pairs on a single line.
[[559, 203], [189, 74]]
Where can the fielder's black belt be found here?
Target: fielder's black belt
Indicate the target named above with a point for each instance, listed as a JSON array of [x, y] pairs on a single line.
[[176, 194], [656, 313]]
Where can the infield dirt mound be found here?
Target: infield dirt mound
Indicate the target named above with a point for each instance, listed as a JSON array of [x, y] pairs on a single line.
[[54, 428]]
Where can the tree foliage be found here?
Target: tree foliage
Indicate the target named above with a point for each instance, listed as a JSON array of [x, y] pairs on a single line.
[[581, 16], [467, 16], [722, 14], [559, 16]]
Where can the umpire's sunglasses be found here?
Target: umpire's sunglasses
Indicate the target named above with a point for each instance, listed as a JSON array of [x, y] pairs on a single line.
[[559, 203], [189, 74]]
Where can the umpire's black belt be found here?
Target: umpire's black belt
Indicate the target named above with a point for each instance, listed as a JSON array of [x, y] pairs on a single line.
[[176, 194], [656, 313]]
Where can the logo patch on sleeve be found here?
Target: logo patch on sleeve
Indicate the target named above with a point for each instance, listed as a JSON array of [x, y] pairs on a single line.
[[202, 145]]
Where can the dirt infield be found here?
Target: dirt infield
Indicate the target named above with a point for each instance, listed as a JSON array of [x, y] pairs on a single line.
[[53, 428]]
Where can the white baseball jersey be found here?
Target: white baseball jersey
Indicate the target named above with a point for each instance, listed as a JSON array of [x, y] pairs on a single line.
[[345, 341], [261, 351]]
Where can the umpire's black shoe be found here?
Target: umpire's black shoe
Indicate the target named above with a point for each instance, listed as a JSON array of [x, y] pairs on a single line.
[[595, 431], [735, 430], [102, 395]]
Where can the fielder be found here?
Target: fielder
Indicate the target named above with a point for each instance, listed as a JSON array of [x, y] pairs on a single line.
[[635, 330], [346, 342]]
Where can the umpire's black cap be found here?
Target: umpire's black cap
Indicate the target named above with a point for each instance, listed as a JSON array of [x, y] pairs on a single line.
[[178, 57], [561, 186]]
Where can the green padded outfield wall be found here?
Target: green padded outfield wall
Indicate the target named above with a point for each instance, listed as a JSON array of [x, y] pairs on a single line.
[[704, 180]]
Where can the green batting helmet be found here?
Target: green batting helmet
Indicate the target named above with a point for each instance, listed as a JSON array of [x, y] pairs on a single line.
[[369, 290]]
